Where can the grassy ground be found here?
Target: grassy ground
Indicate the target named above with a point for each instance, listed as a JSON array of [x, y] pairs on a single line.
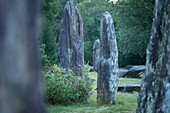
[[126, 102], [129, 81]]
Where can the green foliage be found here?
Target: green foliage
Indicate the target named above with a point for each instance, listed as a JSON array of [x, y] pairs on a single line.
[[50, 42], [45, 58], [132, 18], [133, 21], [65, 88], [88, 48], [91, 11], [52, 13]]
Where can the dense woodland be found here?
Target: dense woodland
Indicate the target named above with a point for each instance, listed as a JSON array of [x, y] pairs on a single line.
[[132, 19]]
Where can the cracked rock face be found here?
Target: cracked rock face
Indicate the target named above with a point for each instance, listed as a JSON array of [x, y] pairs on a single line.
[[96, 53], [71, 41], [155, 91], [107, 67]]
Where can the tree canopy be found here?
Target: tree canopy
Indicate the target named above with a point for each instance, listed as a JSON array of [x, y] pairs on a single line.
[[132, 19]]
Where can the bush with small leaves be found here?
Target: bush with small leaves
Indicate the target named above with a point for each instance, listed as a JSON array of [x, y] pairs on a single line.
[[66, 88]]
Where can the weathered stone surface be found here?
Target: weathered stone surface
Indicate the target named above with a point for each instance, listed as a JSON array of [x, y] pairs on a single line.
[[129, 66], [135, 72], [107, 68], [155, 91], [122, 72], [71, 41], [96, 53], [89, 68], [20, 81]]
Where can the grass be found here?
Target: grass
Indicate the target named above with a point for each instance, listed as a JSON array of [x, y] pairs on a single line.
[[129, 81], [126, 102], [93, 75]]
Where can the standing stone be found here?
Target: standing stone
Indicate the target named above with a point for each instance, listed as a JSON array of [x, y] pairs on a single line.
[[107, 69], [71, 41], [155, 92], [20, 80], [96, 54]]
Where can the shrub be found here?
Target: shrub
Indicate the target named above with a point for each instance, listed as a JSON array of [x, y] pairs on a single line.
[[65, 88], [44, 56]]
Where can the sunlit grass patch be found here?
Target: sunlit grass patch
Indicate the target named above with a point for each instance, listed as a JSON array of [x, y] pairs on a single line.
[[129, 81]]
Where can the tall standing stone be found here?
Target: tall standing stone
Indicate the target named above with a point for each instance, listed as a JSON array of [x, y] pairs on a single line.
[[20, 80], [107, 69], [155, 91], [96, 53], [71, 41]]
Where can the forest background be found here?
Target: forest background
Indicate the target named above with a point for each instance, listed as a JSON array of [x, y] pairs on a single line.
[[132, 19]]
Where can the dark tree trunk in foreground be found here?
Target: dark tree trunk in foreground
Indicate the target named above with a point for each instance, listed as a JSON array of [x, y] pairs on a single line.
[[20, 81], [71, 41], [107, 68], [155, 92]]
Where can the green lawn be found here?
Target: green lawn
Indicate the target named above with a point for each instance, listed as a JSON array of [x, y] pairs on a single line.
[[93, 75], [126, 102], [129, 81]]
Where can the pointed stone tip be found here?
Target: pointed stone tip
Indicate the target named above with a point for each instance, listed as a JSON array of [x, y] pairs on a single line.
[[71, 1], [98, 40], [106, 13]]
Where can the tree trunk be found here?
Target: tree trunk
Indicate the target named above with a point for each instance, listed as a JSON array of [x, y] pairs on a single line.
[[155, 92], [20, 81]]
